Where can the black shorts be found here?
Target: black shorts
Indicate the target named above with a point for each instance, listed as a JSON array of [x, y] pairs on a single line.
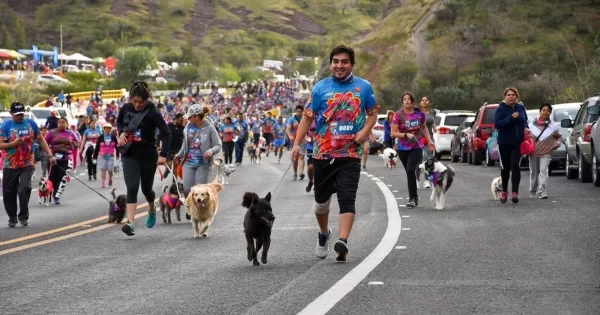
[[310, 160], [339, 177], [268, 138]]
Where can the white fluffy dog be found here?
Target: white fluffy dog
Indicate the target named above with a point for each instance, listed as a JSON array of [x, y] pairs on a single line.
[[496, 188], [390, 157], [441, 177]]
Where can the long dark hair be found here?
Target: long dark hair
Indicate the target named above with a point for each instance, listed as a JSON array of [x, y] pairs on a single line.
[[141, 89]]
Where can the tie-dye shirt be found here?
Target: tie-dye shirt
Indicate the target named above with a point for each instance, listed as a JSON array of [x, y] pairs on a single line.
[[279, 130], [409, 123], [228, 131], [21, 156], [340, 109]]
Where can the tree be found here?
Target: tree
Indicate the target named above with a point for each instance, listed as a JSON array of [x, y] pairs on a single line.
[[106, 47], [133, 61], [186, 74], [307, 67], [397, 77], [228, 73]]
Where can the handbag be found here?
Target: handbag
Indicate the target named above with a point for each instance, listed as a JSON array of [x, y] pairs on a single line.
[[133, 124], [528, 145]]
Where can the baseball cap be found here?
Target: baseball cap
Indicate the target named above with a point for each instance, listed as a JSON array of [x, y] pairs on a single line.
[[17, 108]]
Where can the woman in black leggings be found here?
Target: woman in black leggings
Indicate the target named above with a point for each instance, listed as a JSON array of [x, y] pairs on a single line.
[[408, 125], [510, 120], [142, 157], [228, 132]]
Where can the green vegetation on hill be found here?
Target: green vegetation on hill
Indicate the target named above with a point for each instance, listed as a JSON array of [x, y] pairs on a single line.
[[549, 49]]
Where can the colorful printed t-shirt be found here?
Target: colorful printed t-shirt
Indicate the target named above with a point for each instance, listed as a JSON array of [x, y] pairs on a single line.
[[293, 122], [22, 155], [60, 143], [279, 130], [228, 131], [269, 123], [310, 135], [340, 109], [409, 123], [92, 135], [195, 156], [256, 126]]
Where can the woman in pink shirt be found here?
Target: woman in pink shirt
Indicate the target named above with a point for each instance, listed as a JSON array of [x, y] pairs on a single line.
[[105, 152], [62, 141]]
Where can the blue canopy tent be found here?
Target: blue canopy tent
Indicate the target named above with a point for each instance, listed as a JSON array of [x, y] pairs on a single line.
[[38, 53]]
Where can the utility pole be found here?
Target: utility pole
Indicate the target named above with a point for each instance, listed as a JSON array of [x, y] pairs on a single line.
[[61, 46]]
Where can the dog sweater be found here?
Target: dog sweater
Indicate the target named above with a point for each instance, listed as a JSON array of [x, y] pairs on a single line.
[[171, 201]]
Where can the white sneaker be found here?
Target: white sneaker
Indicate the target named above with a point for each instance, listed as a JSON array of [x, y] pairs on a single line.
[[426, 184], [323, 251]]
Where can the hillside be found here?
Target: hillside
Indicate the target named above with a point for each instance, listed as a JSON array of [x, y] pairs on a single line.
[[461, 54]]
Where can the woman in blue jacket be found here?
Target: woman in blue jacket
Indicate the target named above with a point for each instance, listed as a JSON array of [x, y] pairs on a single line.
[[510, 121], [387, 130]]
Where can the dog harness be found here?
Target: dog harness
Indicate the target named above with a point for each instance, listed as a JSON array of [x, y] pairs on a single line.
[[434, 178], [116, 208], [171, 201]]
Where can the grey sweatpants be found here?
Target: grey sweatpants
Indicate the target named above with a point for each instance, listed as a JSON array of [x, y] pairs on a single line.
[[538, 174], [194, 175]]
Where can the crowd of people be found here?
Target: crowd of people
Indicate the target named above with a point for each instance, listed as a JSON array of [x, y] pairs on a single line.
[[327, 137]]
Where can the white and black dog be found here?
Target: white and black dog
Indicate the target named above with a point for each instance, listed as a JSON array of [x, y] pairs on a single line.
[[390, 157], [441, 177], [223, 171], [496, 188]]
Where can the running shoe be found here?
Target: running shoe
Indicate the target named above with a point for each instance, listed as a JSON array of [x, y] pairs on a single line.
[[341, 249], [24, 223], [323, 244], [301, 176], [128, 229], [110, 182], [309, 186], [515, 197], [504, 197], [151, 218]]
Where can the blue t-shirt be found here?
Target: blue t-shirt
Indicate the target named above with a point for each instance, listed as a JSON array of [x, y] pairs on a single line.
[[92, 135], [256, 126], [23, 155], [340, 109], [195, 156], [293, 122], [268, 125], [242, 126], [228, 131], [279, 130]]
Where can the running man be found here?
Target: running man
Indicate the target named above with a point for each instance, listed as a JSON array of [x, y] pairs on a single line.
[[292, 127], [268, 124], [279, 142], [345, 110]]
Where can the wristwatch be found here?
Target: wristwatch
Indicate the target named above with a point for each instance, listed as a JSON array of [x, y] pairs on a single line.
[[406, 135]]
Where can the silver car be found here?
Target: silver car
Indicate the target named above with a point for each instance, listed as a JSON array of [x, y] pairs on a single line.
[[595, 135], [560, 112], [579, 148]]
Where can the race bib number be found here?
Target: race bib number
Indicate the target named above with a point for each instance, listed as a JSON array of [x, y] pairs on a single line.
[[343, 129], [413, 124], [59, 155], [137, 135]]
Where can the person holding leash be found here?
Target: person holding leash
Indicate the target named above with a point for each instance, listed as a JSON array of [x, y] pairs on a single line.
[[137, 123], [345, 110], [61, 141], [16, 139]]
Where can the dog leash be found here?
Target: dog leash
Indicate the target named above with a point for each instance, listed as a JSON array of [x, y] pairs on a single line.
[[79, 180], [176, 184], [313, 155]]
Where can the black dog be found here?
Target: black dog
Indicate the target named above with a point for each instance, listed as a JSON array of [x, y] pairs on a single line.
[[116, 210], [258, 223]]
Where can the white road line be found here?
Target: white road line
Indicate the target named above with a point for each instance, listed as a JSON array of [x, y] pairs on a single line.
[[375, 283], [327, 300], [394, 191], [405, 229], [406, 216], [400, 247]]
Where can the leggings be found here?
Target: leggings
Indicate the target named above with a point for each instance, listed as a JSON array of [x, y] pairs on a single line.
[[89, 158], [510, 158], [410, 160], [228, 152], [194, 175], [138, 170], [58, 176]]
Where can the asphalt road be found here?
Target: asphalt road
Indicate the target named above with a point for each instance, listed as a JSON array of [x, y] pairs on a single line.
[[478, 256]]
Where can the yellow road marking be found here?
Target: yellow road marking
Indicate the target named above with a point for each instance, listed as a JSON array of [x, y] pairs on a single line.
[[65, 237], [64, 228]]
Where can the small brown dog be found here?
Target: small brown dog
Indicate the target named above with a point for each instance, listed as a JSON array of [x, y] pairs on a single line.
[[201, 205]]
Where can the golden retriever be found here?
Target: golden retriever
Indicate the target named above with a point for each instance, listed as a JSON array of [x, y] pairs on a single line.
[[202, 203]]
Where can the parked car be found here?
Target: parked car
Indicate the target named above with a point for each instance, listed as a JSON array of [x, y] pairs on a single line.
[[579, 150], [42, 114], [378, 129], [459, 141], [52, 79], [446, 124], [560, 112], [483, 127], [595, 143], [7, 116]]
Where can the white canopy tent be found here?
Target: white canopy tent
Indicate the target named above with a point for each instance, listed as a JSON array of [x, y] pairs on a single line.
[[63, 57], [79, 57]]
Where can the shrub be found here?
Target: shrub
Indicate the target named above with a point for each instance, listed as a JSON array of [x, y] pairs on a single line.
[[450, 97]]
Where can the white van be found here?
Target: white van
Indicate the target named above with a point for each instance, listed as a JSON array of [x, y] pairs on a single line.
[[42, 114]]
